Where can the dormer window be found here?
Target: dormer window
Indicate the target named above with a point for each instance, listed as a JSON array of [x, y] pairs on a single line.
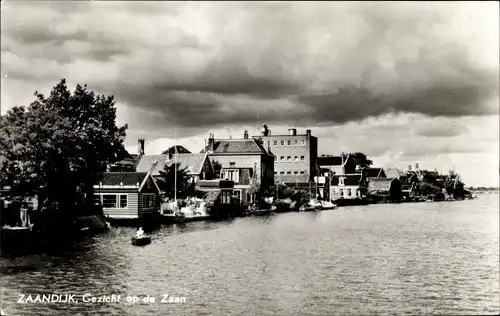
[[341, 181]]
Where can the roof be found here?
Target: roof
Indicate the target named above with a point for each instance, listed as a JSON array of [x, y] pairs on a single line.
[[192, 162], [373, 172], [380, 184], [394, 173], [350, 179], [238, 146], [123, 178]]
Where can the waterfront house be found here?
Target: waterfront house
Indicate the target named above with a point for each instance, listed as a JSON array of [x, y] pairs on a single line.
[[197, 166], [246, 162], [384, 190], [347, 186], [127, 195]]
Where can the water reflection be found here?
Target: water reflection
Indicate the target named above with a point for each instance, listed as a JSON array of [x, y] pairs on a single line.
[[407, 259]]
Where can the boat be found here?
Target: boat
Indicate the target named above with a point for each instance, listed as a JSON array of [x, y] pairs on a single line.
[[312, 206], [327, 205], [141, 241]]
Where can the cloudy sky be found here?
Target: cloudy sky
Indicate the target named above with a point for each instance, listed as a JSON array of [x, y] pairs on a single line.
[[402, 82]]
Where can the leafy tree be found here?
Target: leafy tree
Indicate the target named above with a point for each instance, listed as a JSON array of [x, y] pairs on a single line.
[[217, 168], [57, 148], [172, 150], [167, 181], [361, 160]]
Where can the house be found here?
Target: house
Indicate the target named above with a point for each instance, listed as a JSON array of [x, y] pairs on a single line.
[[347, 186], [127, 195], [219, 196], [373, 173], [246, 162], [385, 190], [198, 166], [343, 164]]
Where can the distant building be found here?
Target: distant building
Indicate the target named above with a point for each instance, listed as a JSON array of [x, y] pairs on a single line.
[[348, 186], [373, 173], [385, 190], [295, 155], [245, 161]]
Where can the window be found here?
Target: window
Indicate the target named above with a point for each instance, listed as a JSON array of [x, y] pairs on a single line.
[[302, 172], [357, 192], [109, 200], [349, 192], [282, 172], [302, 143], [295, 172], [289, 142], [302, 158], [147, 200], [97, 199], [282, 158], [295, 142], [296, 158], [231, 174], [275, 143], [341, 181], [341, 192], [288, 172], [276, 172], [282, 143], [226, 197], [237, 194], [289, 158], [123, 200]]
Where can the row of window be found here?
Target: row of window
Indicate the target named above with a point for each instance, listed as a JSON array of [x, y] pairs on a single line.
[[289, 142], [121, 200], [347, 192], [290, 172], [289, 158]]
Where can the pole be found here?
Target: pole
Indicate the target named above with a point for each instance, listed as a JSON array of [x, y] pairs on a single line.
[[175, 165]]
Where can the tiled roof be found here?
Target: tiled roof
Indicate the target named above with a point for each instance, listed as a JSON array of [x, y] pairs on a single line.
[[124, 178], [237, 146], [193, 162], [394, 173], [380, 184], [351, 179]]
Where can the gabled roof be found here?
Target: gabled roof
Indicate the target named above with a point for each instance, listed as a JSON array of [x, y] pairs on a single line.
[[394, 173], [380, 184], [154, 163], [123, 178], [237, 146]]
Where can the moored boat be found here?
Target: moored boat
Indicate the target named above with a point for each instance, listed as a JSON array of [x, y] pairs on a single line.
[[327, 205]]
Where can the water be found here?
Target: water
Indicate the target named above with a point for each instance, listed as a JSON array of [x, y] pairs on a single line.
[[425, 258]]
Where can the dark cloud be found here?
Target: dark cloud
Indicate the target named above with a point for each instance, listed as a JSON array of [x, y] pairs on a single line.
[[209, 64]]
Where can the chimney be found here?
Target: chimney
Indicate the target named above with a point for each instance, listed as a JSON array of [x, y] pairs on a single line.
[[265, 131], [308, 132], [292, 131], [416, 166], [140, 145], [211, 142], [245, 135], [409, 167]]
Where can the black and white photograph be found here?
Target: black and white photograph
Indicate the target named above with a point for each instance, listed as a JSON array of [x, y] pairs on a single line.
[[287, 158]]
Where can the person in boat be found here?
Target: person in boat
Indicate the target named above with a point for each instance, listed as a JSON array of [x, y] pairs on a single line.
[[140, 233]]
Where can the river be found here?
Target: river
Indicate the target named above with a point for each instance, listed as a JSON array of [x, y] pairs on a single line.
[[423, 258]]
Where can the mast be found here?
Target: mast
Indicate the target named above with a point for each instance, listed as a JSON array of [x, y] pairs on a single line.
[[175, 165]]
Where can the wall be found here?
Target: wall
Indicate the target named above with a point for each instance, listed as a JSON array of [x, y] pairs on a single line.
[[132, 209], [335, 192]]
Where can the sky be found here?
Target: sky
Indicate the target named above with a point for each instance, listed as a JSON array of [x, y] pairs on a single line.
[[403, 82]]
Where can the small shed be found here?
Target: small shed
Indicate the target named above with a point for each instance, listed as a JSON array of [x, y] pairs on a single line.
[[127, 195], [387, 189]]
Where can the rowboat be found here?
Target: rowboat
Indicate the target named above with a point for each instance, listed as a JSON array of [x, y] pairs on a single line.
[[141, 241]]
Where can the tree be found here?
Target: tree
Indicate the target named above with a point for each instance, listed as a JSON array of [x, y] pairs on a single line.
[[57, 148], [217, 168], [167, 181], [177, 148], [361, 160]]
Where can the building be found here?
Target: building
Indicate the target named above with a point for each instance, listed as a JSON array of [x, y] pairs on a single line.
[[128, 162], [385, 190], [373, 173], [295, 155], [127, 195], [218, 196], [197, 166], [337, 165], [348, 186], [245, 161]]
